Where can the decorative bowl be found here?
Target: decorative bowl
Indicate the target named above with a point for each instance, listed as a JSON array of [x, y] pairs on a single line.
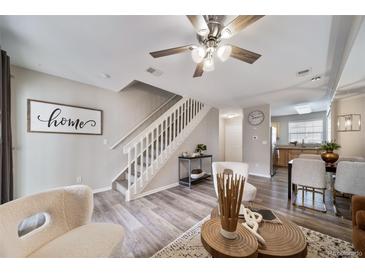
[[329, 157]]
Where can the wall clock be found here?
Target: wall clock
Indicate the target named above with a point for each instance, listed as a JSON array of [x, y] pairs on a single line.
[[256, 117]]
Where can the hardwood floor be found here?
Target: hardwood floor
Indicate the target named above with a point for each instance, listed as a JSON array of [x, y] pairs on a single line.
[[154, 221]]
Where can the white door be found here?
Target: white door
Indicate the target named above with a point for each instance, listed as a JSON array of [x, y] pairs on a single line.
[[233, 139]]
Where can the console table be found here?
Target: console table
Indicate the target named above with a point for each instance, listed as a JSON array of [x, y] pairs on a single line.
[[187, 181]]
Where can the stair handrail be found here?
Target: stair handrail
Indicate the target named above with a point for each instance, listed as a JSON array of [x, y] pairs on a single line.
[[153, 125], [117, 143]]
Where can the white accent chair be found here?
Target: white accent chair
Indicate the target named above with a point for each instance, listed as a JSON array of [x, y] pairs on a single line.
[[309, 174], [350, 179], [249, 191], [66, 232]]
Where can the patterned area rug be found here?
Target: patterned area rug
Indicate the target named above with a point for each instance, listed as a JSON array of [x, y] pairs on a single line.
[[320, 245]]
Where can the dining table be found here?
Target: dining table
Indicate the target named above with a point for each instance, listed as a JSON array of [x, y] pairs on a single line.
[[329, 168]]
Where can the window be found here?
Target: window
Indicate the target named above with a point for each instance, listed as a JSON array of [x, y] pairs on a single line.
[[309, 131], [329, 127]]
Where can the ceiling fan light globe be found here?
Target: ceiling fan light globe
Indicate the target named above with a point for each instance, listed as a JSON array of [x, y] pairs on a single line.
[[203, 32], [226, 33], [198, 54], [224, 52], [208, 64]]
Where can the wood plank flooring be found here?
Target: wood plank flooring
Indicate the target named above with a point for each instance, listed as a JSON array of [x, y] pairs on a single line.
[[154, 221]]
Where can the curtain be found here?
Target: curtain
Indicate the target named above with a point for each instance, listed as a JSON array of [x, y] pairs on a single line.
[[6, 158]]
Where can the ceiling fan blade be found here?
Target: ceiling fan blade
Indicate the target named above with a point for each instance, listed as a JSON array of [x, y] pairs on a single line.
[[198, 70], [240, 22], [199, 24], [165, 52], [244, 55]]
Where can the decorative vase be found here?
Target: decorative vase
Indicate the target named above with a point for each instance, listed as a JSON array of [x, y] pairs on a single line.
[[230, 191], [329, 157]]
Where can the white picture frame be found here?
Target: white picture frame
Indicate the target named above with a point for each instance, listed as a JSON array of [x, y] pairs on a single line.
[[50, 117]]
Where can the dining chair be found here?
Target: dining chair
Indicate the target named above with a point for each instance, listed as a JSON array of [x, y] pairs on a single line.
[[350, 180], [310, 156], [249, 191], [309, 174], [351, 159]]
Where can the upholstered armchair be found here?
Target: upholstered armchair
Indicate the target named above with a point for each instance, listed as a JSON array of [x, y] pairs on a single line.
[[249, 191], [358, 224], [66, 231]]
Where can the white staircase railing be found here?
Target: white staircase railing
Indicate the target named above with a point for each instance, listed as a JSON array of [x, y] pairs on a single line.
[[117, 143], [151, 149]]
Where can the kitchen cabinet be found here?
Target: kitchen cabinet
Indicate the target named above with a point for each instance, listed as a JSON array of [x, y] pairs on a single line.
[[284, 154]]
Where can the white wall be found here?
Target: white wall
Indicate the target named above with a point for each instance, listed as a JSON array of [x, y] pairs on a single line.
[[233, 139], [207, 132], [352, 143], [222, 143], [284, 121], [44, 161], [256, 152]]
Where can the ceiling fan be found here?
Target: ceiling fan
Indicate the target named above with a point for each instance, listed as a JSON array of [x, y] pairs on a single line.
[[210, 33]]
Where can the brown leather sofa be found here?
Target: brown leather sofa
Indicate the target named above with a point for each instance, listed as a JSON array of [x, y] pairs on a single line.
[[358, 224]]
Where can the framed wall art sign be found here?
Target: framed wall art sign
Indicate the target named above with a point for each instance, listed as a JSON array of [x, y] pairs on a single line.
[[49, 117]]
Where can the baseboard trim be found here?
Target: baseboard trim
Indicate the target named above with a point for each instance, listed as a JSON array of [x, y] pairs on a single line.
[[154, 190], [102, 189], [259, 175]]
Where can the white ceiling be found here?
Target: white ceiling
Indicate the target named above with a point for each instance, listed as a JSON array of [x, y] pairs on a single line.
[[352, 81], [81, 48]]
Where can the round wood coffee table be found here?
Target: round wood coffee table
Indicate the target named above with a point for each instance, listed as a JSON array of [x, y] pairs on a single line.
[[245, 245], [282, 240]]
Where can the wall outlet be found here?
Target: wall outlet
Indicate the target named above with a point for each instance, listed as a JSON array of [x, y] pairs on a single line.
[[79, 179], [105, 141]]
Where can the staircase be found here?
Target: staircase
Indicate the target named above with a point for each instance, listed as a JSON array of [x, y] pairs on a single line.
[[149, 151]]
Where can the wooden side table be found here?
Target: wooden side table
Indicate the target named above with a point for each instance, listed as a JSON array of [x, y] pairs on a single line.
[[282, 240], [245, 245]]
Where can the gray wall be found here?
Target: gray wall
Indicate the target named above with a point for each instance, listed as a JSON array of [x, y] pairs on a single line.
[[256, 152], [44, 161], [207, 132], [352, 143], [284, 120]]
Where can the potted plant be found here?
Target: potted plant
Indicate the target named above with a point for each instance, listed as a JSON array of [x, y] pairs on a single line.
[[328, 155], [200, 148]]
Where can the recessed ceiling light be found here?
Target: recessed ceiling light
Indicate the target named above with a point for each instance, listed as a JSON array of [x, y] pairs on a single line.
[[316, 78], [303, 109], [231, 115], [105, 75]]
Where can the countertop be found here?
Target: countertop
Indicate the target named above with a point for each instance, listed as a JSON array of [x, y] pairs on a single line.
[[296, 147]]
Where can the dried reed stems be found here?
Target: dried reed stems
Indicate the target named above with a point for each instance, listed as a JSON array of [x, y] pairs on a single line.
[[230, 191]]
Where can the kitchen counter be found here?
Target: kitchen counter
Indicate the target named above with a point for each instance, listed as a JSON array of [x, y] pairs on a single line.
[[297, 147], [285, 153]]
